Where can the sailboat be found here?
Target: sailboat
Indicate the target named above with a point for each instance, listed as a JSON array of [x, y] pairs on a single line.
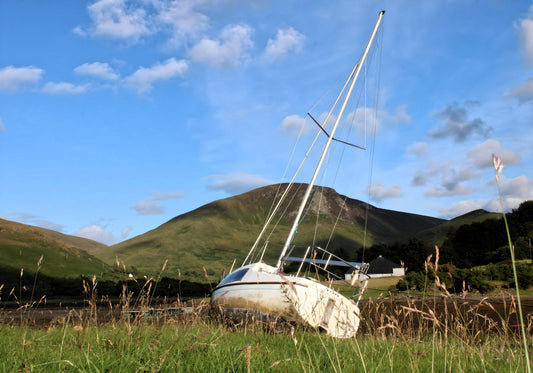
[[265, 289]]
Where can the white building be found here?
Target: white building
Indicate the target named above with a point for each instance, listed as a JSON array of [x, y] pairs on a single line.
[[382, 267]]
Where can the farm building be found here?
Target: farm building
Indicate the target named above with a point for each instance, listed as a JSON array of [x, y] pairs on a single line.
[[382, 267]]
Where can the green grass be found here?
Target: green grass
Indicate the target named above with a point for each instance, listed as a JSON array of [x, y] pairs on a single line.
[[408, 335], [211, 347], [54, 262], [376, 288]]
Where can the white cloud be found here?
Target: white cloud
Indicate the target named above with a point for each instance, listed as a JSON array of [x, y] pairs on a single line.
[[461, 208], [400, 115], [453, 189], [48, 225], [31, 219], [125, 232], [169, 195], [509, 203], [446, 178], [148, 207], [361, 117], [24, 217], [286, 40], [513, 192], [481, 155], [131, 20], [143, 79], [237, 183], [525, 28], [294, 125], [523, 92], [517, 188], [417, 149], [98, 70], [373, 118], [229, 49], [117, 19], [469, 173], [80, 31], [378, 191], [15, 78], [97, 232], [186, 23], [2, 126], [152, 205], [64, 88]]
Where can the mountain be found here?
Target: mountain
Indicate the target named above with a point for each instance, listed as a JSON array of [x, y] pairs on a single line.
[[207, 240], [203, 242], [437, 235], [64, 256]]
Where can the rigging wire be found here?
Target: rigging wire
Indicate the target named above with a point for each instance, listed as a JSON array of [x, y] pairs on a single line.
[[254, 252], [251, 253], [349, 130], [273, 205], [373, 147], [361, 97]]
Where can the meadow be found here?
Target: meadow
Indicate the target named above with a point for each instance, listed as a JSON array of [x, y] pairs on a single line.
[[208, 347], [436, 332]]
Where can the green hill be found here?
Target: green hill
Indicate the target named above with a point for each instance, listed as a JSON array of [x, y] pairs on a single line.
[[213, 235], [64, 256], [208, 239], [437, 235]]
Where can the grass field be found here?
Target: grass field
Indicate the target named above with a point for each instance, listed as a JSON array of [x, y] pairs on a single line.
[[377, 287], [433, 331], [413, 335], [198, 346]]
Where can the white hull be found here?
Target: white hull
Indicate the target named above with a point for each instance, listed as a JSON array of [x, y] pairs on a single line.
[[265, 290], [268, 298]]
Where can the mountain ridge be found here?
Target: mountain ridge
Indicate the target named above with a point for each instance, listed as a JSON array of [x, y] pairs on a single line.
[[224, 230], [199, 244]]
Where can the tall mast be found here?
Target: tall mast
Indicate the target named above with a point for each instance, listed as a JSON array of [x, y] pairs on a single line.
[[353, 76]]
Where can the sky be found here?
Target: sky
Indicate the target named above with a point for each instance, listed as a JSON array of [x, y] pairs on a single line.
[[118, 115]]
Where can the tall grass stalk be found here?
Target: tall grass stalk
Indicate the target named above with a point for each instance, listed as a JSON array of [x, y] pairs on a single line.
[[498, 166]]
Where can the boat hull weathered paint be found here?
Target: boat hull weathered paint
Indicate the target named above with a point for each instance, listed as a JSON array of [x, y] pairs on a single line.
[[265, 290], [261, 289], [324, 308]]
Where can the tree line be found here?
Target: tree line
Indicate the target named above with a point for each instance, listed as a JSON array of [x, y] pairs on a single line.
[[23, 287], [471, 255]]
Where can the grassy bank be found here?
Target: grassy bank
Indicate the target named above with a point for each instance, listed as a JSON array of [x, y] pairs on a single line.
[[444, 334], [202, 347], [433, 331]]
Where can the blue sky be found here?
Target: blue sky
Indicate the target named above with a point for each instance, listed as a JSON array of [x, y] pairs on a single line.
[[116, 116]]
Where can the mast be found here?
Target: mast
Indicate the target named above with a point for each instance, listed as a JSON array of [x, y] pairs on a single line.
[[353, 76]]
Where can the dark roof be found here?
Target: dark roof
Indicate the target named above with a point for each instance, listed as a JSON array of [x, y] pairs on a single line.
[[382, 265]]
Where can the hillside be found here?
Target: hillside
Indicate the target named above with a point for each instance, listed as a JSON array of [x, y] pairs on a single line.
[[213, 235], [64, 256], [437, 235]]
